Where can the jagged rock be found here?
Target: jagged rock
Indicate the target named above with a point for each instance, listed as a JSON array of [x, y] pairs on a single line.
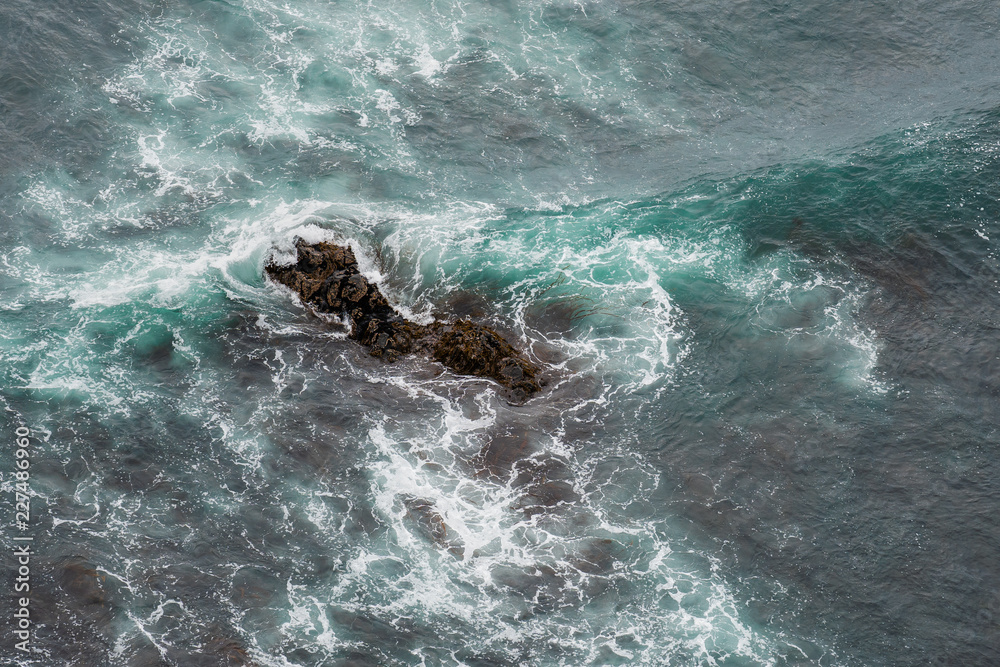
[[472, 349], [326, 276]]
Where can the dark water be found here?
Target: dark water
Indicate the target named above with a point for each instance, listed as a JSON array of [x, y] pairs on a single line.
[[754, 243]]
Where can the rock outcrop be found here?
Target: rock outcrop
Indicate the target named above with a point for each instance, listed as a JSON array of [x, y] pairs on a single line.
[[326, 276]]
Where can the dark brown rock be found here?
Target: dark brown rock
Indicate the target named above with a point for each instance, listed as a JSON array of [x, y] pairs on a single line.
[[326, 276], [472, 349]]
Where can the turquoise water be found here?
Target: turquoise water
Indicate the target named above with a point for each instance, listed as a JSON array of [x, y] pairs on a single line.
[[755, 246]]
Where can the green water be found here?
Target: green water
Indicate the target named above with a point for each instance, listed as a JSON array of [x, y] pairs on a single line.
[[754, 246]]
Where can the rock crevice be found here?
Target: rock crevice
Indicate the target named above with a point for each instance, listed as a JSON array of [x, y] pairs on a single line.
[[326, 276]]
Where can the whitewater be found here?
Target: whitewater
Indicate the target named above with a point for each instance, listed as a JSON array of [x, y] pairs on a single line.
[[754, 246]]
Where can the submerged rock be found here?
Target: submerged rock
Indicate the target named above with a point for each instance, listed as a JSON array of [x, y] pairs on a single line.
[[326, 276], [425, 515]]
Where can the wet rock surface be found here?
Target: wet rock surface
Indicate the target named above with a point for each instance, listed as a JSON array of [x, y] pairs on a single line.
[[327, 277]]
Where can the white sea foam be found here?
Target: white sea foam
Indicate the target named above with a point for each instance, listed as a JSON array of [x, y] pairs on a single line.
[[429, 65], [468, 559], [495, 539], [615, 273]]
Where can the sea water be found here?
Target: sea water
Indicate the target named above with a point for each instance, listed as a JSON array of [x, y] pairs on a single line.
[[755, 246]]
